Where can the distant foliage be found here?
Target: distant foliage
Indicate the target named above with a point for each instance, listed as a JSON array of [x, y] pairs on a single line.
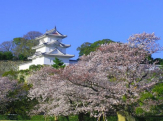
[[21, 75], [58, 63], [10, 74], [32, 35], [35, 67], [158, 60], [24, 47], [7, 46], [9, 65], [19, 48], [87, 47], [7, 55], [22, 57]]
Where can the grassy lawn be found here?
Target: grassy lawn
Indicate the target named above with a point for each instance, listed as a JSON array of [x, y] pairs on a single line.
[[42, 118], [71, 118]]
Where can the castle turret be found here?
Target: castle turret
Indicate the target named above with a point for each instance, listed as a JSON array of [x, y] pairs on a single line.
[[50, 46]]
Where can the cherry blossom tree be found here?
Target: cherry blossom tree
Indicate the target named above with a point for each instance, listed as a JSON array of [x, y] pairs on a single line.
[[145, 41], [115, 72], [113, 78], [56, 96]]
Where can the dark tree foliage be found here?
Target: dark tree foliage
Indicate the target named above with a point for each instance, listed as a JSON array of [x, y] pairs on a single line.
[[17, 40], [22, 106], [22, 57], [10, 74], [58, 64], [7, 55], [14, 99], [1, 55], [35, 67], [87, 47], [159, 61]]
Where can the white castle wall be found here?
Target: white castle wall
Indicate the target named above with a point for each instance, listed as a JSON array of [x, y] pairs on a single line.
[[39, 60], [25, 66]]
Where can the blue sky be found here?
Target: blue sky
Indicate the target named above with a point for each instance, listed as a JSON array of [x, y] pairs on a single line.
[[82, 20]]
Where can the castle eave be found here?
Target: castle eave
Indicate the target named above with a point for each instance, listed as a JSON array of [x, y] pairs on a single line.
[[45, 35], [59, 36], [60, 55], [49, 44]]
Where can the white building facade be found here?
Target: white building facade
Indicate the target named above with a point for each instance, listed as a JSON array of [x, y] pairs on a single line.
[[50, 46]]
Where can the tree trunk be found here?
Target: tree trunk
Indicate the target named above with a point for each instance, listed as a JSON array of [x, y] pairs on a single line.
[[55, 118], [81, 117], [125, 116], [121, 116], [67, 118]]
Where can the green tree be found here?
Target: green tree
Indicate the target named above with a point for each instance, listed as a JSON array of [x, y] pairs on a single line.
[[10, 74], [1, 55], [159, 61], [35, 67], [22, 57], [87, 47], [58, 64], [7, 55], [23, 45]]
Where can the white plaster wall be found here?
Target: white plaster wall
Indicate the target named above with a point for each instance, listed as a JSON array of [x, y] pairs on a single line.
[[59, 39], [42, 49], [63, 50], [50, 48], [25, 66], [40, 41], [49, 60], [39, 60], [55, 38], [47, 49], [46, 39], [65, 60], [35, 61], [55, 52]]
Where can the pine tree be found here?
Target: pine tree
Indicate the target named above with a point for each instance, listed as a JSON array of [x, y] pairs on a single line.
[[58, 64]]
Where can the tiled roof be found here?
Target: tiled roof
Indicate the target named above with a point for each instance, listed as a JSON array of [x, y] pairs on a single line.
[[52, 43], [52, 32]]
